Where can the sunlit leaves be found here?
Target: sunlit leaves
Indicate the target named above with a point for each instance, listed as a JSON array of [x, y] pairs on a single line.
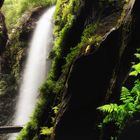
[[46, 131], [108, 108], [136, 67], [20, 6], [136, 70], [125, 95]]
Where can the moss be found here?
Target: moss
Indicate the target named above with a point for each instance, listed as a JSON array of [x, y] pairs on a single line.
[[16, 54], [65, 15], [3, 86], [54, 88], [128, 4], [7, 84], [51, 91], [21, 6]]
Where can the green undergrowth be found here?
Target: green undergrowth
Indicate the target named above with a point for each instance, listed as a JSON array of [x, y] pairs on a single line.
[[120, 115], [13, 9]]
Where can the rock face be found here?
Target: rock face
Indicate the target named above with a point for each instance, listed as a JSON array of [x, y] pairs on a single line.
[[97, 78], [93, 78], [1, 3], [3, 30], [3, 33]]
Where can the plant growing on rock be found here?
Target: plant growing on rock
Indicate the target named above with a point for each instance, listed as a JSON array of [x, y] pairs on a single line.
[[121, 114]]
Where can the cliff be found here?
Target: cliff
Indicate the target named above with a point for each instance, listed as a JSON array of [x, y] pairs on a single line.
[[94, 47]]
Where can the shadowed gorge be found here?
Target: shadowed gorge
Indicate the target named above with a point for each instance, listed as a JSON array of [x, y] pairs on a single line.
[[90, 86], [89, 79]]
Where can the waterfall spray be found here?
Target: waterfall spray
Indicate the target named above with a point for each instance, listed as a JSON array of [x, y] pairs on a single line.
[[36, 68]]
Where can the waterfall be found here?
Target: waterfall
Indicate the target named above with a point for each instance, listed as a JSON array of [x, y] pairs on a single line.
[[36, 68]]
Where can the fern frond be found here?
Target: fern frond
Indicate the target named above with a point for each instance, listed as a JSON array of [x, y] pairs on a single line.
[[137, 55], [108, 108], [136, 70], [126, 95]]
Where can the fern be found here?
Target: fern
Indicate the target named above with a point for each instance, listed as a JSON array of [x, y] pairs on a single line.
[[126, 95], [137, 55], [108, 108], [136, 70], [136, 67], [120, 114]]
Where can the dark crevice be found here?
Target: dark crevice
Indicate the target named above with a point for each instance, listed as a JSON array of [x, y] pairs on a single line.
[[73, 36], [88, 84]]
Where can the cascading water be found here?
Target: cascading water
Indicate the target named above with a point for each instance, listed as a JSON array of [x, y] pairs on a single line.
[[36, 68]]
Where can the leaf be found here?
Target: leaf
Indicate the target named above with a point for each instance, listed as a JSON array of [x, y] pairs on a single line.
[[136, 70], [125, 95], [136, 88], [131, 107], [137, 55], [55, 109], [133, 73], [108, 108], [138, 107], [46, 131]]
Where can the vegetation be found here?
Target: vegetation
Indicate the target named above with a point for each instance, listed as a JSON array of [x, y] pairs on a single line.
[[65, 15], [46, 131], [18, 7], [121, 114], [51, 89], [50, 98]]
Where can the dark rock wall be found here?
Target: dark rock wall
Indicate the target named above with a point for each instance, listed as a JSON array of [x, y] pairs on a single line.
[[3, 33], [96, 79], [1, 3], [87, 87], [3, 30], [131, 131]]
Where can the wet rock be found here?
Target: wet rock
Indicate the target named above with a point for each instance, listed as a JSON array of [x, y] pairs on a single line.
[[1, 3], [97, 78], [3, 33]]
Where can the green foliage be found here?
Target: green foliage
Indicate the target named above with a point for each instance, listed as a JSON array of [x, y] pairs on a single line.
[[136, 70], [108, 108], [120, 114], [126, 95], [56, 109], [46, 131], [136, 67], [3, 86], [87, 38], [65, 15], [20, 6]]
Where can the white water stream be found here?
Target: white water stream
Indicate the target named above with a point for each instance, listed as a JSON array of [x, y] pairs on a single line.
[[36, 69]]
